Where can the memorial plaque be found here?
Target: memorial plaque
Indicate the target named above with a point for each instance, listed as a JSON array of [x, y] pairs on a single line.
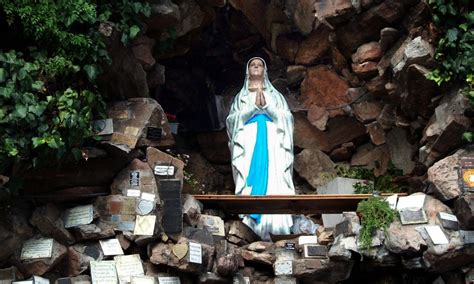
[[437, 235], [40, 280], [145, 225], [448, 221], [412, 201], [290, 246], [148, 196], [79, 215], [285, 280], [307, 240], [170, 196], [241, 280], [467, 173], [467, 236], [145, 207], [315, 251], [413, 216], [103, 272], [392, 201], [195, 253], [119, 138], [103, 126], [153, 133], [23, 282], [133, 192], [65, 280], [135, 179], [111, 247], [214, 224], [40, 248], [131, 131], [169, 280], [143, 280], [128, 266], [284, 267], [164, 170]]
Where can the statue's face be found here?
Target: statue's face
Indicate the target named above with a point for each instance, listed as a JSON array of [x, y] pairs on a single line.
[[256, 68]]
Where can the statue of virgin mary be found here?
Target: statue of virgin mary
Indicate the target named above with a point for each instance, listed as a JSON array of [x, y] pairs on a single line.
[[260, 129]]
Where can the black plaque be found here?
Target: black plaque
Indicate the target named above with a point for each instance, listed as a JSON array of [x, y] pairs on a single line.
[[170, 195], [64, 281], [315, 251], [290, 246], [413, 216], [153, 133], [448, 221]]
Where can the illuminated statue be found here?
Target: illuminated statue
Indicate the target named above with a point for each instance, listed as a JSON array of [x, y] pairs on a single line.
[[260, 129]]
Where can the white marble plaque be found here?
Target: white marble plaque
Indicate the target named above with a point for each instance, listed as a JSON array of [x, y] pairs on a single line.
[[448, 216], [145, 207], [41, 248], [79, 215], [128, 266], [40, 280], [436, 235], [302, 240], [284, 267], [111, 247], [145, 225], [195, 252], [392, 201], [412, 201], [161, 170], [143, 280], [133, 192], [23, 282], [148, 196], [169, 280], [103, 272]]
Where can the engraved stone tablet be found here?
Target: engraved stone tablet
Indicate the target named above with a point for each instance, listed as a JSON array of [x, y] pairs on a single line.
[[145, 207], [79, 215], [103, 126], [134, 192], [413, 216], [436, 235], [40, 248], [153, 133], [307, 240], [284, 267], [135, 179], [103, 272], [145, 225], [111, 247], [143, 280], [315, 251], [132, 131], [169, 280], [170, 196], [164, 170], [449, 221], [195, 253], [214, 224], [128, 266]]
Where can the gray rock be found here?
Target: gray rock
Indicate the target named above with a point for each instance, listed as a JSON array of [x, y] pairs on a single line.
[[464, 207], [311, 164], [387, 37], [99, 229], [320, 270], [416, 51], [404, 239], [240, 234], [444, 179], [401, 151], [79, 257]]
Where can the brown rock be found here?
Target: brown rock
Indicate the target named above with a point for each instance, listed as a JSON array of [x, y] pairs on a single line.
[[455, 257], [156, 76], [404, 239], [418, 15], [365, 70], [146, 179], [240, 234], [376, 86], [401, 150], [204, 174], [191, 210], [464, 207], [228, 258], [324, 88], [342, 153], [142, 48], [295, 74], [97, 230], [213, 146], [345, 129], [308, 136], [420, 91], [40, 266], [313, 47], [387, 117], [321, 270], [324, 236], [191, 17], [287, 47], [311, 164], [387, 37], [415, 51], [164, 14], [334, 11], [318, 116], [257, 13], [154, 156], [338, 60], [367, 52], [376, 133], [304, 16], [79, 257], [367, 111], [257, 257], [48, 220], [376, 158]]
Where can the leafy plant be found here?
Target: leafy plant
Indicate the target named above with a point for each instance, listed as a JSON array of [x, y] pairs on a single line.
[[376, 214]]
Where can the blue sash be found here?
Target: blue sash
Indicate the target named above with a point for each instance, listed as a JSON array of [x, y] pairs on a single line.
[[258, 172]]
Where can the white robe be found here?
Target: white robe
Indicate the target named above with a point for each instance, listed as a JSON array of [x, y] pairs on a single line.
[[280, 153]]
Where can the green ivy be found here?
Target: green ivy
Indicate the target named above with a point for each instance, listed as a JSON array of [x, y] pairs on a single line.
[[376, 214]]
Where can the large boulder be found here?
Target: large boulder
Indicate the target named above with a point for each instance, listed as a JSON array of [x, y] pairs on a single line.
[[313, 165]]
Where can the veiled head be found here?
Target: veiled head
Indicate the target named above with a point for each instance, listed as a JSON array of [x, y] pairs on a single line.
[[256, 68]]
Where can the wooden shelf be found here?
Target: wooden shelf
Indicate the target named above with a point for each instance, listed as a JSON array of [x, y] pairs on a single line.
[[284, 204]]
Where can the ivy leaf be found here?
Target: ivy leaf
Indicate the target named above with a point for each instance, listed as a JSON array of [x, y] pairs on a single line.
[[92, 71], [452, 34], [37, 85], [134, 30], [21, 110]]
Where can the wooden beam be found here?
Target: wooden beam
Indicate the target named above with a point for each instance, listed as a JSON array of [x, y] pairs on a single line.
[[284, 204]]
